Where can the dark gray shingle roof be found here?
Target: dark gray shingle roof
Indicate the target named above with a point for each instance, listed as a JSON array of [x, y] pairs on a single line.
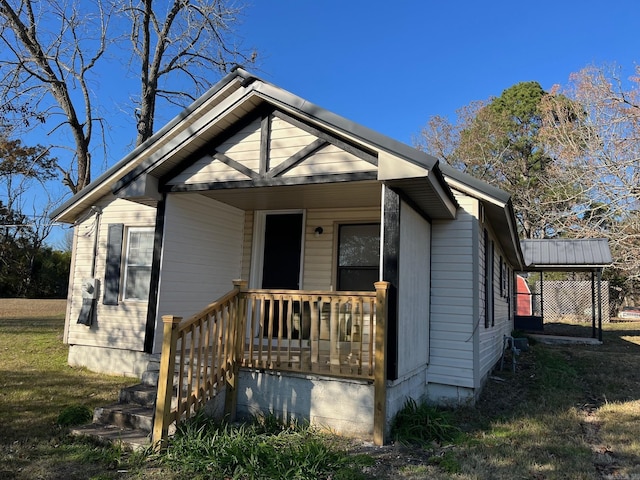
[[580, 254]]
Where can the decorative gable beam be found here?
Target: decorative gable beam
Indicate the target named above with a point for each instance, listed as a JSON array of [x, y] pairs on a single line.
[[297, 158], [237, 165], [264, 162]]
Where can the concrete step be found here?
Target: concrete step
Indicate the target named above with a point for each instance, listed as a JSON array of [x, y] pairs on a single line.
[[140, 394], [123, 415], [150, 378], [130, 438]]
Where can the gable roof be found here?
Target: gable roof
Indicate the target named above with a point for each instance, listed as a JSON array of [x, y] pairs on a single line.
[[420, 176], [229, 100], [566, 254]]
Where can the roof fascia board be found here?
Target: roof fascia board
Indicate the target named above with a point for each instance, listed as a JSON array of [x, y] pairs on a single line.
[[474, 192]]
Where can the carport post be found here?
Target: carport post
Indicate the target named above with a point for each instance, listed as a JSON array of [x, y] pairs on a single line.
[[600, 304], [593, 304]]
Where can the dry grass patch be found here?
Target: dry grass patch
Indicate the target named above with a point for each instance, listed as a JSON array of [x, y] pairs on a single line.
[[619, 435], [568, 412], [27, 308]]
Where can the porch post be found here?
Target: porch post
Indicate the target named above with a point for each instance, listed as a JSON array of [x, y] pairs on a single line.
[[237, 322], [162, 417], [380, 371]]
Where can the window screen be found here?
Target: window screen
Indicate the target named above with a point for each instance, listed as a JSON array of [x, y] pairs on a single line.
[[358, 256]]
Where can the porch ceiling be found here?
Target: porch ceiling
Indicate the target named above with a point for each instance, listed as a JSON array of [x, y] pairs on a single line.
[[333, 195]]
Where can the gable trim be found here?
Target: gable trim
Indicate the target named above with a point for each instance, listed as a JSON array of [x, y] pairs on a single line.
[[266, 176]]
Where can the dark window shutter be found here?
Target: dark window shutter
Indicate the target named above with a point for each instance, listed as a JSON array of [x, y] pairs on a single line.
[[114, 260]]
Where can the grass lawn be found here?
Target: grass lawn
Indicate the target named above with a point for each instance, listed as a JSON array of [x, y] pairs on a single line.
[[36, 385], [569, 412]]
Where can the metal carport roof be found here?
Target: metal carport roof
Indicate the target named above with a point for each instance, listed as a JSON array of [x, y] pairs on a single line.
[[586, 254]]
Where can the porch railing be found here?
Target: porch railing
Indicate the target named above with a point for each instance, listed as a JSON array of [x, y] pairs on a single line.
[[330, 333]]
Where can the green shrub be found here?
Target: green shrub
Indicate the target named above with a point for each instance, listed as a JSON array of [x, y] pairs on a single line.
[[75, 415], [422, 424]]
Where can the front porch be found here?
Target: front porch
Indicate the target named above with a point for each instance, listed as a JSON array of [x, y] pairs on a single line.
[[291, 334]]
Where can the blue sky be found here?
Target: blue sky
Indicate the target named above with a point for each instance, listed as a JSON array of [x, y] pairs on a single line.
[[392, 65]]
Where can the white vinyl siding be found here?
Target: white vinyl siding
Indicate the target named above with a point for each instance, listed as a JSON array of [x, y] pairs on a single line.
[[413, 290], [201, 255], [454, 291], [491, 338], [329, 159], [286, 140], [119, 326], [319, 256]]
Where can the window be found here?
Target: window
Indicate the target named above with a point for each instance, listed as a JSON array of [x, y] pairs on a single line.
[[358, 256], [137, 265], [489, 318]]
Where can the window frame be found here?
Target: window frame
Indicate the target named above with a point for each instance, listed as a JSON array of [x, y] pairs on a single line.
[[337, 266], [126, 265], [489, 277]]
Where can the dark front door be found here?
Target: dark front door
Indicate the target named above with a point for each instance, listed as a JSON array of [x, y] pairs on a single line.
[[281, 264], [282, 248]]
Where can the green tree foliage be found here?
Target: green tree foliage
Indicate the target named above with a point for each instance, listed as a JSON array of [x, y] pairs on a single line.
[[500, 141], [27, 267]]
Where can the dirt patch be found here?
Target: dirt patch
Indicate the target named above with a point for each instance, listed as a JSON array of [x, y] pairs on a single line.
[[13, 308]]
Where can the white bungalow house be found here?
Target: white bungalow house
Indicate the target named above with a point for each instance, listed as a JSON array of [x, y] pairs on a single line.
[[309, 210]]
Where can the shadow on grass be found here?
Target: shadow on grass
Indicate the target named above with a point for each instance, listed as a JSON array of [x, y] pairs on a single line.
[[543, 420]]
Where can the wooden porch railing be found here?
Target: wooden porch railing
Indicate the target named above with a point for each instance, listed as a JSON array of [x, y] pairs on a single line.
[[330, 333]]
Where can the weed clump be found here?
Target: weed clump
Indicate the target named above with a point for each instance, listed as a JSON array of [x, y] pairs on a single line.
[[422, 424], [74, 415], [262, 449]]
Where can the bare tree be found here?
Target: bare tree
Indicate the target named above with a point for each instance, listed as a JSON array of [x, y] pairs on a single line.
[[48, 54], [599, 134], [52, 50], [189, 39]]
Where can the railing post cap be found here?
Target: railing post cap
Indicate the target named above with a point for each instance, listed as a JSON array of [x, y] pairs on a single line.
[[382, 285], [238, 283], [171, 319]]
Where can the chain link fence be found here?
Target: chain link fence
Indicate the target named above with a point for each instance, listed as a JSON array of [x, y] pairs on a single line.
[[570, 300]]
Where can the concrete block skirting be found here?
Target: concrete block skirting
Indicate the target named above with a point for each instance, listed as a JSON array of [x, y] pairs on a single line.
[[344, 406], [110, 361], [411, 385]]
